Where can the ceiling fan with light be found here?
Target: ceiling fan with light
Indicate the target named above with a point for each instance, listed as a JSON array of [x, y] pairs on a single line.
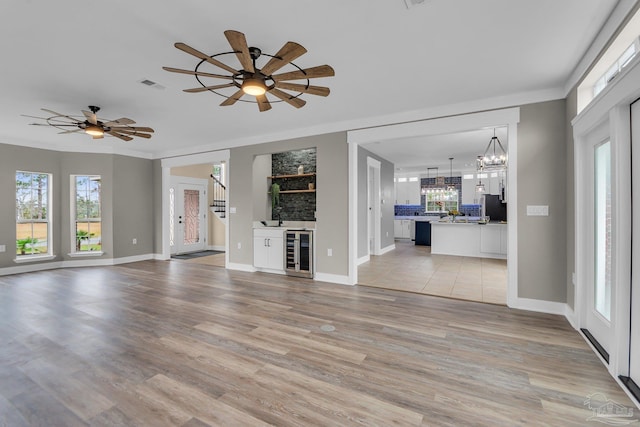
[[254, 80], [92, 125]]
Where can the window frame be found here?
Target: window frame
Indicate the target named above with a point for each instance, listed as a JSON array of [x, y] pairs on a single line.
[[48, 220], [73, 199]]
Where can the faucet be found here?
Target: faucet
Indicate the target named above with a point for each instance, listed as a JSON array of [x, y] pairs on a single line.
[[279, 220]]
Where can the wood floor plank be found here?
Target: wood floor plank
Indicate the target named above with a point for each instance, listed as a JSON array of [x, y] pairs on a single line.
[[206, 408], [255, 342], [169, 343], [66, 389]]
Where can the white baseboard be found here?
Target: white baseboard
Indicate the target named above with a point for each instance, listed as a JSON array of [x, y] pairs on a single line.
[[364, 259], [332, 278], [161, 257], [571, 317], [391, 247], [241, 267], [86, 262], [549, 307], [28, 268]]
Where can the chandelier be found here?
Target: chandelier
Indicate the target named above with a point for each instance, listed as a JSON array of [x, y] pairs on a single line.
[[494, 157]]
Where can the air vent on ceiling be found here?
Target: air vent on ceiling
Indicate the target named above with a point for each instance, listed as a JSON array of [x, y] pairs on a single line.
[[151, 83]]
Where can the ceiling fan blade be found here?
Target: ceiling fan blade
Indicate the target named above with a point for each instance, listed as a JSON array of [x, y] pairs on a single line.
[[91, 117], [131, 132], [206, 88], [263, 103], [59, 114], [122, 121], [188, 49], [34, 117], [97, 137], [70, 131], [54, 125], [308, 73], [119, 135], [232, 99], [296, 102], [132, 129], [197, 73], [286, 54], [238, 43], [312, 90]]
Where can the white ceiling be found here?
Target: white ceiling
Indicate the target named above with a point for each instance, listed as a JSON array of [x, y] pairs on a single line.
[[67, 54], [415, 155]]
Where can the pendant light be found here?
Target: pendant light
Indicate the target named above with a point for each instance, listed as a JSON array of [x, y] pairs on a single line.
[[494, 157], [451, 186], [480, 186]]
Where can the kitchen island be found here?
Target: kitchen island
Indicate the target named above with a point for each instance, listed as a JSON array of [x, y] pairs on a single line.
[[469, 239]]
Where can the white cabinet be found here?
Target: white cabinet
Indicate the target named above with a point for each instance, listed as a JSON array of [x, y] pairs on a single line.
[[403, 228], [408, 192], [268, 249], [493, 239], [469, 190]]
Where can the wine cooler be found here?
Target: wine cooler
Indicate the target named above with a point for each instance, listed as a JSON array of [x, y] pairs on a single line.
[[298, 256]]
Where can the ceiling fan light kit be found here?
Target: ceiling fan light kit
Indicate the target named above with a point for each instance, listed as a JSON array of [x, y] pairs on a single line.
[[253, 80], [94, 130], [94, 126]]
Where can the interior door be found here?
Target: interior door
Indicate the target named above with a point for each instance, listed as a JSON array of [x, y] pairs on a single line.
[[634, 339], [191, 218], [599, 283]]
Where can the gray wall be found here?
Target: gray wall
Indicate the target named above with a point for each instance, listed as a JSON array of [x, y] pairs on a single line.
[[331, 196], [386, 194], [261, 200], [132, 206], [127, 199], [156, 213], [542, 241]]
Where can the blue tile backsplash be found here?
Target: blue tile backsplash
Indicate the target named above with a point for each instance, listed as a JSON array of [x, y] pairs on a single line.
[[408, 210], [413, 210], [471, 210]]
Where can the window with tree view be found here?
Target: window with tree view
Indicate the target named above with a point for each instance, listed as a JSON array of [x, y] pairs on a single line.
[[88, 221], [33, 219]]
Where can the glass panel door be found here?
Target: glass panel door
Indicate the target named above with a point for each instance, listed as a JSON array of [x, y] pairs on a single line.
[[602, 215], [190, 219]]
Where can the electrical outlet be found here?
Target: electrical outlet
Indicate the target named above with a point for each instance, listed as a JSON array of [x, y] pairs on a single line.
[[239, 245], [387, 234], [329, 252], [134, 241], [3, 248]]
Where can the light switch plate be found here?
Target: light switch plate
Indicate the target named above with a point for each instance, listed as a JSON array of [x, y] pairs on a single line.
[[537, 210], [3, 248], [232, 209]]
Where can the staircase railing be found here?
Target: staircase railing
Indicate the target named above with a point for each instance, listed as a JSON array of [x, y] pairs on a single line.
[[219, 203]]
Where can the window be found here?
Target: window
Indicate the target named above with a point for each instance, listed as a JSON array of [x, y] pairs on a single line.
[[616, 67], [86, 214], [33, 213]]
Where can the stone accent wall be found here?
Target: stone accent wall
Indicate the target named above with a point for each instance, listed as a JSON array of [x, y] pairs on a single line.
[[295, 206]]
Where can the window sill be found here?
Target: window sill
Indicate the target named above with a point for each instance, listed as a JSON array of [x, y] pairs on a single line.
[[86, 254], [33, 258]]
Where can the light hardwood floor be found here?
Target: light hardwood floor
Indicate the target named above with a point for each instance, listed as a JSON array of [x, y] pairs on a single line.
[[412, 268], [158, 343]]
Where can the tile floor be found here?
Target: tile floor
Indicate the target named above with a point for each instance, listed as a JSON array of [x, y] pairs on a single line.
[[412, 268]]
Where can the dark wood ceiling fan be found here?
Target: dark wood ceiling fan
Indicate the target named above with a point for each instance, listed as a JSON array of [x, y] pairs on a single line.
[[92, 125], [253, 80]]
